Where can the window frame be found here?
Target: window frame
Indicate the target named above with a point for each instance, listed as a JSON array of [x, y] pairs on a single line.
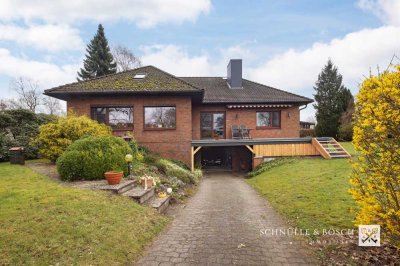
[[158, 128], [212, 127], [270, 119], [107, 121]]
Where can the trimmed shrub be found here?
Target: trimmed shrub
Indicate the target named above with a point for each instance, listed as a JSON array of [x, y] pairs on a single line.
[[54, 138], [90, 157]]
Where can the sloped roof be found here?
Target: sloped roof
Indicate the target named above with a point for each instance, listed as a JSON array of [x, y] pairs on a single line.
[[216, 90], [155, 80]]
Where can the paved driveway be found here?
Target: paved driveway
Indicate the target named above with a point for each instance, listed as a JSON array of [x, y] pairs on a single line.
[[221, 226]]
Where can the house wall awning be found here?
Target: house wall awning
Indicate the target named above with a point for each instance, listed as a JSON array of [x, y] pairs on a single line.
[[236, 106]]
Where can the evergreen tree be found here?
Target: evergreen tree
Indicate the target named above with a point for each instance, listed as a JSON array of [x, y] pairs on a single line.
[[99, 60], [331, 100], [347, 99]]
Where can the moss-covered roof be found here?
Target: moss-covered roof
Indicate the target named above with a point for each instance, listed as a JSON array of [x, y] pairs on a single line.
[[210, 90], [155, 80]]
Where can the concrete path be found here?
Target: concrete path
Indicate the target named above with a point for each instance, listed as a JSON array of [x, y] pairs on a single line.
[[221, 226]]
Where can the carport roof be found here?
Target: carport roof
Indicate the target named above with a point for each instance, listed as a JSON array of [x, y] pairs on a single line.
[[244, 142]]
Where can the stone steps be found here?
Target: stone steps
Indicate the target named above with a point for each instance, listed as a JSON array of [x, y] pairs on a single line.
[[122, 187], [139, 194], [160, 204], [127, 188]]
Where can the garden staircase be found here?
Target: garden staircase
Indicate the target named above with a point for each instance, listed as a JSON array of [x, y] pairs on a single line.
[[329, 148], [148, 197]]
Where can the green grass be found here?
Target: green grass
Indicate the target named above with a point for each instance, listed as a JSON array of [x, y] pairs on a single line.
[[312, 193], [349, 148], [44, 223]]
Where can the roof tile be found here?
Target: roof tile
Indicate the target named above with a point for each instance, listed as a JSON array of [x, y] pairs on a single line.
[[156, 80], [216, 90]]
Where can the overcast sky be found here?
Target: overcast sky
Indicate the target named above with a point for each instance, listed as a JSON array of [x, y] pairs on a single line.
[[283, 43]]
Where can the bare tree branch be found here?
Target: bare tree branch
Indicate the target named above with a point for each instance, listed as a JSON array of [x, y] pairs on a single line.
[[29, 93], [52, 105], [125, 58]]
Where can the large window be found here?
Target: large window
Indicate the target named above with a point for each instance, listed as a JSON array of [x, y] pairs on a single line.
[[160, 117], [117, 117], [269, 119]]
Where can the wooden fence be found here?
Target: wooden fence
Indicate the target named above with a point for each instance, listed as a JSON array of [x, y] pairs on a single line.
[[295, 149]]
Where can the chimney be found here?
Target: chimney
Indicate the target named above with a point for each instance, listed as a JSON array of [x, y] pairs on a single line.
[[234, 76]]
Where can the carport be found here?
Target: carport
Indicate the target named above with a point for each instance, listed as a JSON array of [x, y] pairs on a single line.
[[226, 154], [256, 150]]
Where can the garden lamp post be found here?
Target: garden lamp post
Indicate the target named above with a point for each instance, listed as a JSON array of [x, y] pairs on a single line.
[[128, 160]]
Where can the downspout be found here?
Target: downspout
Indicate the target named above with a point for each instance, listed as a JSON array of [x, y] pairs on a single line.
[[303, 107]]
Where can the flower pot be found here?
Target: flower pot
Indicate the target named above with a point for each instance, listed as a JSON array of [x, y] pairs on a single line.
[[113, 177]]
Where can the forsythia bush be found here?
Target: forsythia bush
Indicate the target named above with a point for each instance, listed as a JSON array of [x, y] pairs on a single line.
[[89, 158], [55, 137], [375, 179]]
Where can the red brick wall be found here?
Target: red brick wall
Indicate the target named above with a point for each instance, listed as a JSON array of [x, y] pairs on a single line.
[[175, 144], [290, 127], [257, 161]]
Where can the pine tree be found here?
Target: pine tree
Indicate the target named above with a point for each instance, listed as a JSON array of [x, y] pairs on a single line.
[[331, 100], [99, 60]]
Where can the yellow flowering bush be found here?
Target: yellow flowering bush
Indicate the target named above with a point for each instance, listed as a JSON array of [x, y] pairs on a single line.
[[54, 138], [375, 179]]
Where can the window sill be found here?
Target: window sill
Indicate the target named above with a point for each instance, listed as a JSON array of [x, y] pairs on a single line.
[[158, 129], [261, 128], [122, 129]]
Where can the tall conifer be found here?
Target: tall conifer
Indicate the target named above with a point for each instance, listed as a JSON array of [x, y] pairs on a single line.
[[99, 60], [331, 100]]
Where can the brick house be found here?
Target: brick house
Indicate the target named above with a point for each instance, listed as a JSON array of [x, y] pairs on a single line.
[[193, 119]]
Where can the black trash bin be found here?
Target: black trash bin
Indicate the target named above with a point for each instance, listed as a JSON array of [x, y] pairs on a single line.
[[17, 155]]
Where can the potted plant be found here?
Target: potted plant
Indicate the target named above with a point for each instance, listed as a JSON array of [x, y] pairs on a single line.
[[114, 177]]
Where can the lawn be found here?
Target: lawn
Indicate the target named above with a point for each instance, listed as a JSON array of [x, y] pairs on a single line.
[[45, 223], [312, 193]]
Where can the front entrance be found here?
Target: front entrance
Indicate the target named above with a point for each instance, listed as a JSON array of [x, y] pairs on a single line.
[[212, 125]]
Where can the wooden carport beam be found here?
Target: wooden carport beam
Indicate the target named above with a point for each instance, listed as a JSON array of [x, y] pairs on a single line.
[[194, 151], [250, 149]]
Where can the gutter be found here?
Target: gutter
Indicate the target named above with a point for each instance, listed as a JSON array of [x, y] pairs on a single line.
[[303, 107]]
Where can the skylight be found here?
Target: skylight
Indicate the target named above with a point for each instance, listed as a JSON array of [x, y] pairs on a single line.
[[140, 76]]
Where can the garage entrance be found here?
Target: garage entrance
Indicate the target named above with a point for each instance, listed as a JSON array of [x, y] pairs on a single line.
[[216, 157], [236, 155], [228, 158]]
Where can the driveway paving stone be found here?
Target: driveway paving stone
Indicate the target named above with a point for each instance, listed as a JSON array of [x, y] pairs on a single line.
[[221, 225]]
